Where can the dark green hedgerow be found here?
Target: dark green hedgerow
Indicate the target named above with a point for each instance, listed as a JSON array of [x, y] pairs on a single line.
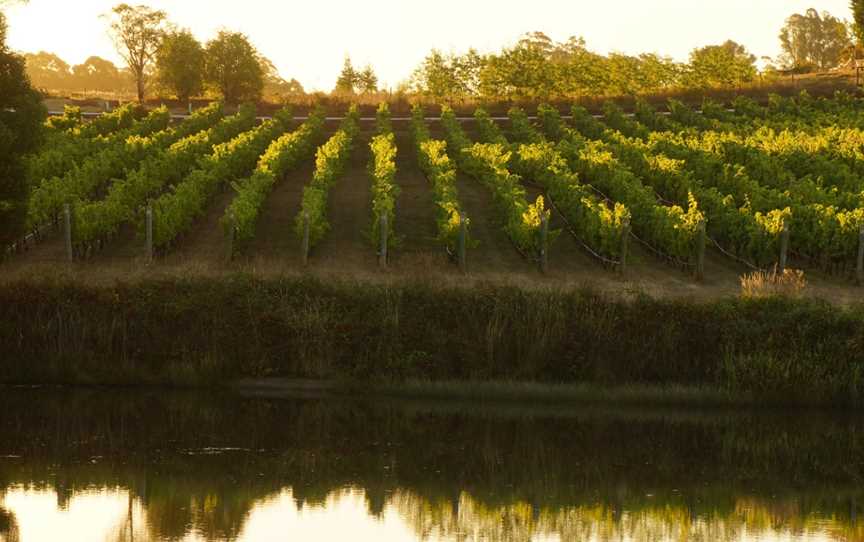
[[207, 330]]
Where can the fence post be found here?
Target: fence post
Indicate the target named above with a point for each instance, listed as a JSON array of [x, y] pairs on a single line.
[[190, 107], [67, 230], [625, 245], [149, 232], [462, 241], [229, 256], [382, 254], [860, 267], [700, 252], [784, 247], [544, 242], [305, 245]]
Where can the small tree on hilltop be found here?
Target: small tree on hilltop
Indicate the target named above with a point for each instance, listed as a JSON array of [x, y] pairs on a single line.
[[137, 32], [367, 81], [233, 67], [720, 66], [347, 81], [813, 39], [180, 64]]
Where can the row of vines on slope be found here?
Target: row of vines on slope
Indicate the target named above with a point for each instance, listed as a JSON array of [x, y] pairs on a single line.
[[74, 169], [822, 233], [440, 170], [753, 237], [669, 230], [488, 164], [603, 229], [382, 171], [282, 156], [99, 220], [175, 211], [330, 162]]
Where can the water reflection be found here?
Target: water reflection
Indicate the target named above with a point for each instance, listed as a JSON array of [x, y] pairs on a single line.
[[151, 467]]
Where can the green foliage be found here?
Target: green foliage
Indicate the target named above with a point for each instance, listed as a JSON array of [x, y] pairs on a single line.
[[180, 64], [814, 39], [382, 171], [330, 161], [537, 68], [383, 124], [137, 32], [282, 156], [69, 120], [441, 173], [858, 19], [103, 160], [726, 65], [175, 211], [21, 118], [125, 197], [488, 164], [669, 229], [121, 118], [599, 226], [232, 67]]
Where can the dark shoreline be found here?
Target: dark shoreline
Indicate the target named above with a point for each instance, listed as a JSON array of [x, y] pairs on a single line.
[[420, 339]]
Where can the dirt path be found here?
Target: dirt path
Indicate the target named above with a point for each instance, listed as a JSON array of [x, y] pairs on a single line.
[[275, 244], [205, 245], [346, 246], [415, 212]]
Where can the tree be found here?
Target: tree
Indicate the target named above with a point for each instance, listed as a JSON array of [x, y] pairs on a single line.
[[524, 72], [232, 67], [858, 20], [812, 39], [97, 74], [21, 117], [367, 81], [275, 85], [180, 64], [728, 64], [348, 78], [48, 71], [137, 33], [436, 77]]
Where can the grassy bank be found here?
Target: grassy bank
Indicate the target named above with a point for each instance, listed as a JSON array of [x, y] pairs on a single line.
[[208, 331]]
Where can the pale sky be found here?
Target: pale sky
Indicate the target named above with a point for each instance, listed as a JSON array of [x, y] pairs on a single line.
[[308, 40]]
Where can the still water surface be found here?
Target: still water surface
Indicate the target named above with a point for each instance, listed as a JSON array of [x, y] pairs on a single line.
[[165, 466]]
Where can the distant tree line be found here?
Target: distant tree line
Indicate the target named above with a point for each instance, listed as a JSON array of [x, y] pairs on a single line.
[[169, 60], [535, 68]]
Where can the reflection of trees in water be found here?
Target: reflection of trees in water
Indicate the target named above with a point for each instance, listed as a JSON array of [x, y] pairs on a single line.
[[456, 471], [8, 526], [470, 519]]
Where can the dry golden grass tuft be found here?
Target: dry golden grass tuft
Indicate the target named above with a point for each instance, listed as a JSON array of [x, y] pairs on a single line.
[[786, 283]]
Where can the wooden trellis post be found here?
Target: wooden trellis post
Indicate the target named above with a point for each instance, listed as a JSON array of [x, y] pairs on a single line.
[[784, 248], [544, 242], [382, 254], [148, 224], [67, 231], [625, 245], [700, 252], [304, 248], [462, 241]]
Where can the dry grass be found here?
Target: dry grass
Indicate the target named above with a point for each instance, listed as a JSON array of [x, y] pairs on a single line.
[[759, 284]]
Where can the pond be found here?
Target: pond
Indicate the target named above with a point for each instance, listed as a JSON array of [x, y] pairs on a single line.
[[155, 465]]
